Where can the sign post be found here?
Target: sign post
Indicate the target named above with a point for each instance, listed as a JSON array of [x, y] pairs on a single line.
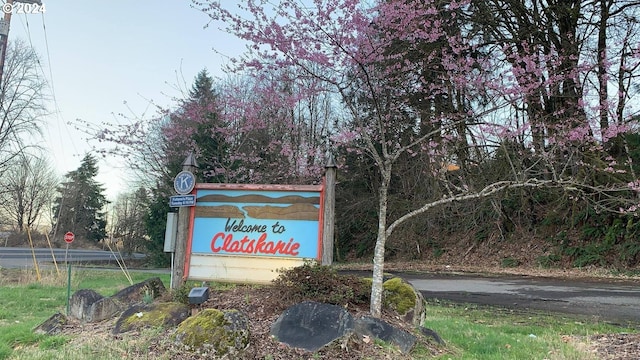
[[329, 211], [183, 184], [68, 238], [170, 235]]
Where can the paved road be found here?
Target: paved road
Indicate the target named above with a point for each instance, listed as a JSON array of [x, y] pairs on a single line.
[[23, 257], [610, 301]]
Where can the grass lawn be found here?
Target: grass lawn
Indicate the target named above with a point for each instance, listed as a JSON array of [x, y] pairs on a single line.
[[482, 332], [26, 302]]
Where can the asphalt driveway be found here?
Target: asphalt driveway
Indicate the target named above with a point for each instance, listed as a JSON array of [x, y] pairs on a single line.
[[604, 300]]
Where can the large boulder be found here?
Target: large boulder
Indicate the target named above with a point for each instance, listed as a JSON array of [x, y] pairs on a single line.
[[432, 334], [218, 333], [82, 304], [312, 325], [148, 289], [155, 315], [402, 298], [381, 330], [89, 306], [103, 309], [52, 326]]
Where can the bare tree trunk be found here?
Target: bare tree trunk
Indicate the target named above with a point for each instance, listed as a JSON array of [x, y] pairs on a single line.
[[378, 257], [602, 67]]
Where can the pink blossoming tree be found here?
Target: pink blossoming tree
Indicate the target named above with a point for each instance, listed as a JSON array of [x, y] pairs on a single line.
[[450, 84]]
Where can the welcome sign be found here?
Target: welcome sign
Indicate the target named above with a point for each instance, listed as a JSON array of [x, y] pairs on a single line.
[[244, 233]]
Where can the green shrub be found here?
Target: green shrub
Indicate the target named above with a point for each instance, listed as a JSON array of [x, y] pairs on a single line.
[[181, 294], [548, 261], [588, 259], [438, 252], [630, 252], [321, 283], [510, 262]]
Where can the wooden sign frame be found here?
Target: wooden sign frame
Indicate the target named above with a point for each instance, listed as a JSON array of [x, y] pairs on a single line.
[[246, 232]]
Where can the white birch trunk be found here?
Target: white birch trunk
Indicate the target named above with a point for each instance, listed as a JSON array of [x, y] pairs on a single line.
[[378, 257]]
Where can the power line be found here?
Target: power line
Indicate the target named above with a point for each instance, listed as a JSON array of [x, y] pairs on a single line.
[[48, 74], [58, 112]]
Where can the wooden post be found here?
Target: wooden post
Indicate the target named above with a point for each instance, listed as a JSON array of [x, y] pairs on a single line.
[[190, 165], [329, 211]]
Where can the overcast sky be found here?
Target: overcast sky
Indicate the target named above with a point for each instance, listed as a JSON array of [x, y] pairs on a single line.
[[99, 54]]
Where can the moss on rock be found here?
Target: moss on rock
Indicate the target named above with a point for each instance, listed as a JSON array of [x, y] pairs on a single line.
[[222, 332], [399, 295], [152, 315]]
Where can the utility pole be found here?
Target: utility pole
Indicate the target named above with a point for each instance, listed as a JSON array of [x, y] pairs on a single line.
[[5, 23], [4, 35]]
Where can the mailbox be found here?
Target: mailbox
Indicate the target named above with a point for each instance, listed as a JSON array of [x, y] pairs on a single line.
[[198, 295]]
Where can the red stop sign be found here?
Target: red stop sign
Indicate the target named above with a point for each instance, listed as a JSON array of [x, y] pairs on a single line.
[[68, 237]]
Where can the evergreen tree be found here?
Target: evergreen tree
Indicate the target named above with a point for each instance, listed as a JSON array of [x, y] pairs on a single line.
[[202, 89], [195, 126], [208, 139], [79, 208], [199, 121]]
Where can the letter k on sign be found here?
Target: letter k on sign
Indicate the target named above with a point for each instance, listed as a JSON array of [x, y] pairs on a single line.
[[184, 182]]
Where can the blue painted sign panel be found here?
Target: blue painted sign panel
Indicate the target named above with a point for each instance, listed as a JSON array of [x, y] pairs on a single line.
[[256, 223]]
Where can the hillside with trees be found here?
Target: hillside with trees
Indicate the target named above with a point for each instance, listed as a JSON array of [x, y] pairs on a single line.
[[507, 129]]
